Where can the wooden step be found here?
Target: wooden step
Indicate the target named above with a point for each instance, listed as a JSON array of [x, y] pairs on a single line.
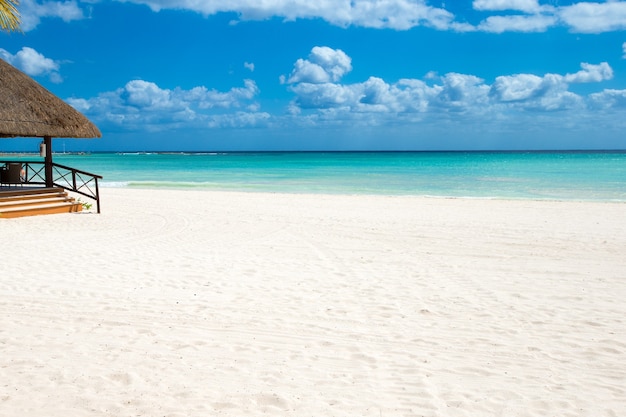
[[25, 191], [51, 199], [31, 202], [30, 197], [65, 207]]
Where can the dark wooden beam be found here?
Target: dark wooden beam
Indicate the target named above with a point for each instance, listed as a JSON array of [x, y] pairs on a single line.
[[48, 161]]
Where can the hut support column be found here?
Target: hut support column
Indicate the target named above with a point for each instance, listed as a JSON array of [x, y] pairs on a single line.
[[47, 140]]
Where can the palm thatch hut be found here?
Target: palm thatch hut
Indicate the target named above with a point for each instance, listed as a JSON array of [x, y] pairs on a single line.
[[29, 110]]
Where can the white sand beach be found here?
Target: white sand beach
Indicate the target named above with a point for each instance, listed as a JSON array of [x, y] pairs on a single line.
[[201, 303]]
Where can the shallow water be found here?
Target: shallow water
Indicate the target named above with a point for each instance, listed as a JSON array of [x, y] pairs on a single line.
[[535, 175]]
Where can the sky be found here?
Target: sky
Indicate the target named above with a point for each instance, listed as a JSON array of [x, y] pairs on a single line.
[[271, 75]]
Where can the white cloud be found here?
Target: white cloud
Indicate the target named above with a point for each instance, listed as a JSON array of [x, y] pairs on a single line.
[[517, 23], [519, 87], [458, 92], [530, 92], [208, 99], [394, 14], [376, 91], [591, 73], [440, 95], [624, 49], [148, 96], [142, 103], [306, 71], [249, 65], [411, 95], [528, 6], [33, 63], [32, 12], [588, 17], [325, 95], [461, 91], [323, 65], [609, 99]]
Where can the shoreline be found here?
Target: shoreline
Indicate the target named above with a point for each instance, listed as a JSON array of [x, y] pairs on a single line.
[[160, 152], [200, 188], [195, 303]]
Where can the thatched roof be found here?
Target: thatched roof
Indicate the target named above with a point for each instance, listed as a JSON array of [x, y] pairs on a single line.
[[29, 110]]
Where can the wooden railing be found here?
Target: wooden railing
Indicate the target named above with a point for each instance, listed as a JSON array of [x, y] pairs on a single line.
[[68, 178]]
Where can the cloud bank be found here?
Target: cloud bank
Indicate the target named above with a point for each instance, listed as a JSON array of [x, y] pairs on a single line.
[[395, 14], [528, 15], [143, 105], [580, 17], [452, 93], [321, 99], [506, 15]]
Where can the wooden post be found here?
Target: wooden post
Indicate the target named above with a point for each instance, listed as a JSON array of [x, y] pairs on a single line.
[[47, 140]]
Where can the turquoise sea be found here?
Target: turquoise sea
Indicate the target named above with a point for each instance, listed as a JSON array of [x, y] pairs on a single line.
[[598, 176]]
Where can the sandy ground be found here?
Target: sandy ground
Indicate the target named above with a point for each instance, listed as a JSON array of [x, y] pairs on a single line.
[[197, 303]]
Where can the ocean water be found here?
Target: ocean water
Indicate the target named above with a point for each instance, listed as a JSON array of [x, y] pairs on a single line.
[[597, 176]]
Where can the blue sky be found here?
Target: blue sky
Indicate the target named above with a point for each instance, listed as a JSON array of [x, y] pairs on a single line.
[[204, 75]]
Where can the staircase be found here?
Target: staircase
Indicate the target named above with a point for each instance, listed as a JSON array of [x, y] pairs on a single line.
[[26, 201]]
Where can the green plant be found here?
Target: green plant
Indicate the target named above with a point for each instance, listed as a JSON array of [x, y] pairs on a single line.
[[86, 206]]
